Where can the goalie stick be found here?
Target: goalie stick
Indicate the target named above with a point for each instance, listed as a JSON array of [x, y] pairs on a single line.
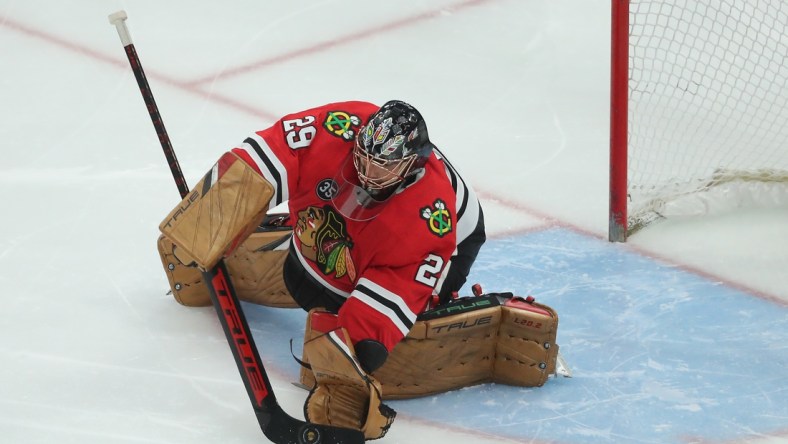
[[276, 424]]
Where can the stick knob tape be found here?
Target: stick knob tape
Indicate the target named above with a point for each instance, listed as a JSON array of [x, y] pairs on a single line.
[[119, 20]]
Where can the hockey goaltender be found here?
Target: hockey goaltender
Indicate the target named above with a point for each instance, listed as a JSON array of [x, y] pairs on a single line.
[[380, 235]]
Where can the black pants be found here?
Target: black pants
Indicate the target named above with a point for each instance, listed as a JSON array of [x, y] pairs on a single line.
[[305, 289]]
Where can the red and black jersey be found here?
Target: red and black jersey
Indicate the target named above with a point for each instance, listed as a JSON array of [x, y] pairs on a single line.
[[388, 267]]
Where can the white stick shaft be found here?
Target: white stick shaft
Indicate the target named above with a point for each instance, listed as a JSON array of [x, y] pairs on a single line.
[[119, 20]]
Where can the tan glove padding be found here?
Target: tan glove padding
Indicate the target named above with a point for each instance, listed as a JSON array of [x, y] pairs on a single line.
[[221, 211], [256, 272], [345, 395]]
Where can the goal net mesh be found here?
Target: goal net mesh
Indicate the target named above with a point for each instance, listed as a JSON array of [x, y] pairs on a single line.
[[708, 107]]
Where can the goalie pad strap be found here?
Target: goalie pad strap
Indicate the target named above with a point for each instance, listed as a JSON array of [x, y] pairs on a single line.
[[221, 211]]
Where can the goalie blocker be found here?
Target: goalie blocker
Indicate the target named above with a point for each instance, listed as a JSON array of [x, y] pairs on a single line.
[[220, 219], [495, 337], [223, 210]]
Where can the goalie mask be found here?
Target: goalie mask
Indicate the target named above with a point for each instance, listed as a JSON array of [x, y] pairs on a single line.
[[391, 148], [390, 151]]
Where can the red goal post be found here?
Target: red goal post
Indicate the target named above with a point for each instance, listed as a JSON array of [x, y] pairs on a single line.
[[698, 110]]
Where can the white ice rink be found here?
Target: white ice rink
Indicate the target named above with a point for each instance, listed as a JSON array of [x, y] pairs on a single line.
[[515, 92]]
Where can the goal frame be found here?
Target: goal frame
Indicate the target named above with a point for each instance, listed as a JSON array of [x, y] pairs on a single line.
[[619, 119], [708, 87]]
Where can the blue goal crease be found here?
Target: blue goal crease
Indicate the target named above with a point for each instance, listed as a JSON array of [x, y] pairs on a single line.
[[658, 354]]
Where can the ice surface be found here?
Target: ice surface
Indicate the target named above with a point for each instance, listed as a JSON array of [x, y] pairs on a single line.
[[677, 336]]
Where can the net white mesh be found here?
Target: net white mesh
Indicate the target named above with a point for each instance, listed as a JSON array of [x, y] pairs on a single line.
[[708, 106]]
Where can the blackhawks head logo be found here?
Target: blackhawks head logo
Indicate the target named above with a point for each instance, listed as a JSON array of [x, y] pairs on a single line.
[[324, 240], [438, 218]]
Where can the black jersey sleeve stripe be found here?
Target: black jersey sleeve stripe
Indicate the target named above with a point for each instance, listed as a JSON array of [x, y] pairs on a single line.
[[456, 183], [269, 165], [464, 204], [383, 301]]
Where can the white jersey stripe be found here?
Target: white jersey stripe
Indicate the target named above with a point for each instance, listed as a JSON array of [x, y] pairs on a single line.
[[262, 167], [394, 317], [265, 168], [377, 306]]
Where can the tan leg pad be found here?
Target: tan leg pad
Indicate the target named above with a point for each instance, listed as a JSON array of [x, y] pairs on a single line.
[[442, 354], [526, 351], [510, 343], [256, 273]]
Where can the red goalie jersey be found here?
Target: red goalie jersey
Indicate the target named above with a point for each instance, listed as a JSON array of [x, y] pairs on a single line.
[[386, 261]]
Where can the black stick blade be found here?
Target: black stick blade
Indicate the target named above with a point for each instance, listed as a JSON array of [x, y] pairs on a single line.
[[282, 428]]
